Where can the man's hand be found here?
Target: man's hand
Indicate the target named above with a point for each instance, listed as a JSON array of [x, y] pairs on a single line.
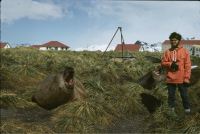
[[174, 66], [186, 83]]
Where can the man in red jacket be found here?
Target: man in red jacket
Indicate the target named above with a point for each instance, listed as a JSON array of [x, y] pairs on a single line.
[[178, 64]]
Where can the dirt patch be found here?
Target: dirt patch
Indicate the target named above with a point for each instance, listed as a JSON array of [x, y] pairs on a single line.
[[30, 115], [136, 124]]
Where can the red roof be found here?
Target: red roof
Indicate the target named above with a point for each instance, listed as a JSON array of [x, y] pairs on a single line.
[[188, 42], [36, 46], [54, 44], [127, 47], [2, 44]]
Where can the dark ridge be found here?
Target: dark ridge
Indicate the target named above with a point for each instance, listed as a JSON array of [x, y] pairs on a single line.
[[195, 76], [147, 81], [150, 102]]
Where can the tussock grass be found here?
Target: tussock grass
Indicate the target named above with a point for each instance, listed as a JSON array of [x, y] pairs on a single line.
[[83, 116], [112, 93], [11, 100], [17, 126]]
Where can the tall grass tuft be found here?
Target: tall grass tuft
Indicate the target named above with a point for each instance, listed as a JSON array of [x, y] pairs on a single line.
[[83, 116]]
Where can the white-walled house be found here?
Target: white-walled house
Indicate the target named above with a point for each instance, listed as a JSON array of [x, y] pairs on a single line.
[[196, 50], [4, 45], [51, 45], [138, 47], [193, 46]]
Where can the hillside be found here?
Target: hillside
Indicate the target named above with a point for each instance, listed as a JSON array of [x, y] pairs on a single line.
[[115, 103]]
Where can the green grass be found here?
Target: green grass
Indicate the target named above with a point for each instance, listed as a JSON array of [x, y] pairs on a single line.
[[111, 91]]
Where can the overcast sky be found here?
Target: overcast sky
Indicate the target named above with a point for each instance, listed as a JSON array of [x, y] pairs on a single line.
[[91, 24]]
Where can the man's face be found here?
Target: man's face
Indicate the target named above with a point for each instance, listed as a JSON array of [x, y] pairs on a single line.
[[174, 42]]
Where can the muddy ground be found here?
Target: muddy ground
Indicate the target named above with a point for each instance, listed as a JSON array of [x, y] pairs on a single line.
[[136, 124]]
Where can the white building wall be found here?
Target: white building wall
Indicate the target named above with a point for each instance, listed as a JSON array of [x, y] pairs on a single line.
[[52, 48], [197, 52], [42, 48], [7, 46], [188, 47], [141, 49]]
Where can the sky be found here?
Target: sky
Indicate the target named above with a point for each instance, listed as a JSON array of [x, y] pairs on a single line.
[[90, 24]]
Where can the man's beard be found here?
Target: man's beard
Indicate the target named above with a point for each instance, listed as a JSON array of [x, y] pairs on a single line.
[[175, 46]]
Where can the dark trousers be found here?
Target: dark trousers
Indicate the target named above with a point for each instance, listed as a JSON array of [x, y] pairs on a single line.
[[183, 92]]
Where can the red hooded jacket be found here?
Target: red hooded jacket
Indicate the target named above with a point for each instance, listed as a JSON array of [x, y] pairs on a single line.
[[182, 57]]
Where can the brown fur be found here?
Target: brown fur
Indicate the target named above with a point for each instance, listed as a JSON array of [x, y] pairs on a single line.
[[54, 91], [79, 91]]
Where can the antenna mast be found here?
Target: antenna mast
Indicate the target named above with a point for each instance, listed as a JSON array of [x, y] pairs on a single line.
[[122, 41]]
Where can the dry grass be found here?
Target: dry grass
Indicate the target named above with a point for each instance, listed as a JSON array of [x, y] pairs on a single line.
[[111, 88]]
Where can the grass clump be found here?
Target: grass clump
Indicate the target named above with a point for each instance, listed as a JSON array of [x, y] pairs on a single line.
[[112, 92]]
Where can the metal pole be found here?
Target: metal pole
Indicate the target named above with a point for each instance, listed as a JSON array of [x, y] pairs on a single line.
[[111, 40], [122, 41]]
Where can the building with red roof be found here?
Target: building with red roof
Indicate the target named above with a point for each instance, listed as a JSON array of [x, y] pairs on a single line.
[[51, 45], [4, 45], [127, 47], [193, 46], [36, 46]]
